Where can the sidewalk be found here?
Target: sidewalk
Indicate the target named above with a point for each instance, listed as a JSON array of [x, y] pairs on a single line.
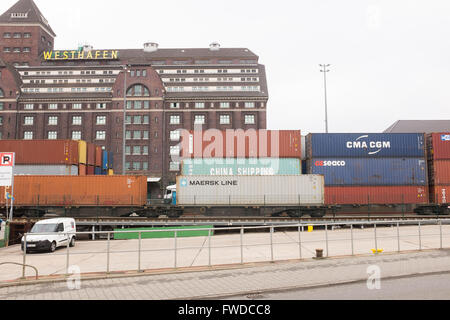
[[246, 280]]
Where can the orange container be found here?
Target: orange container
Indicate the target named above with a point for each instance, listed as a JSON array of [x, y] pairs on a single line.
[[440, 194], [98, 156], [439, 172], [91, 154], [79, 191], [82, 171]]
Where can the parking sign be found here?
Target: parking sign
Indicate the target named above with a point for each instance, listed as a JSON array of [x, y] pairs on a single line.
[[6, 168]]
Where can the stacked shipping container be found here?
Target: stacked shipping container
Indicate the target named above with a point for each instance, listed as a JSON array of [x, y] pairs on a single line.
[[438, 145], [239, 152], [54, 157], [369, 168]]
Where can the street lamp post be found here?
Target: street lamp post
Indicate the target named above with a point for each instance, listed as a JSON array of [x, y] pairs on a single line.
[[125, 70], [324, 70]]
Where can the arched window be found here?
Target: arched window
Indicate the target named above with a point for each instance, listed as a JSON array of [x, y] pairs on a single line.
[[1, 93], [138, 90]]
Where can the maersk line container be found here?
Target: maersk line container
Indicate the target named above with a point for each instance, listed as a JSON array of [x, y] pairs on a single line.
[[370, 172], [241, 167], [365, 145], [288, 190]]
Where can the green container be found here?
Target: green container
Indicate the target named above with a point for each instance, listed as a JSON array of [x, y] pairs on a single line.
[[163, 233], [241, 167]]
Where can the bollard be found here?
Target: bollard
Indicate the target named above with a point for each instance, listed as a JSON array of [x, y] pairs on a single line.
[[139, 252], [175, 249], [209, 247], [376, 242], [107, 253], [440, 228], [24, 254], [67, 258], [398, 236], [351, 236], [319, 254], [242, 245], [420, 238], [299, 242], [271, 244], [326, 237]]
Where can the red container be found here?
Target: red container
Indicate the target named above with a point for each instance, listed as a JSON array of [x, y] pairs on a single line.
[[376, 195], [91, 154], [440, 194], [79, 191], [439, 172], [82, 170], [90, 170], [42, 152], [439, 145], [214, 143], [98, 156]]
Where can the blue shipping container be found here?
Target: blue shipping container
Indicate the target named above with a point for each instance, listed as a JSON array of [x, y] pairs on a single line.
[[369, 145], [105, 160], [370, 172]]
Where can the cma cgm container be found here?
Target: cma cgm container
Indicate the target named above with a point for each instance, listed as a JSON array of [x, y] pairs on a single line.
[[79, 191], [439, 146], [251, 143], [241, 166], [370, 172], [42, 152], [365, 195], [369, 145], [250, 190]]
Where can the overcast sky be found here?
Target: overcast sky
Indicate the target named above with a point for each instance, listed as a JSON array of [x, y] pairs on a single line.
[[390, 60]]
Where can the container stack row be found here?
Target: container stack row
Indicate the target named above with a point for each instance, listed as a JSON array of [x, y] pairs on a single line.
[[235, 152], [364, 168], [438, 145], [58, 157]]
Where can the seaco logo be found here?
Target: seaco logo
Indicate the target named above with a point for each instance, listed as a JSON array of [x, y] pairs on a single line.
[[321, 163], [373, 147], [445, 137]]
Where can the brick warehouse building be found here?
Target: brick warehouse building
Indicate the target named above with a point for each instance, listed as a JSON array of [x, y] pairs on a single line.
[[79, 94]]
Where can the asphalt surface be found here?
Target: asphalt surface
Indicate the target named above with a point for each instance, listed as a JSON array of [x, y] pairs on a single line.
[[427, 287]]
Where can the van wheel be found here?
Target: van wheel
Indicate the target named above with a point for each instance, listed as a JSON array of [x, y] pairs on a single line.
[[53, 246], [72, 242]]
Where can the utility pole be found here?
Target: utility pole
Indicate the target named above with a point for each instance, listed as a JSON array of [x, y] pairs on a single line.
[[325, 70]]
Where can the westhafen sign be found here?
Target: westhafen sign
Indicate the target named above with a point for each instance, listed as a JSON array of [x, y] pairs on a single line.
[[82, 55]]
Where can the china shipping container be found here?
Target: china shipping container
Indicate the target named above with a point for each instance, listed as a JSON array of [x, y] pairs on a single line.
[[46, 170], [370, 172], [98, 156], [439, 172], [366, 195], [214, 143], [440, 194], [241, 166], [90, 154], [439, 146], [64, 152], [369, 145], [79, 191], [285, 190]]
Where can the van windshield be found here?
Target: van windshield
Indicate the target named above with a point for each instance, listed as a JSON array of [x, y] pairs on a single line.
[[42, 228]]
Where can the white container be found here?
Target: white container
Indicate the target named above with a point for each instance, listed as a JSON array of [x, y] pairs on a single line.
[[282, 190], [45, 170]]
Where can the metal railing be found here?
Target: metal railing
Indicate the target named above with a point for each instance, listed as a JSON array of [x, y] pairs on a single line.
[[297, 234]]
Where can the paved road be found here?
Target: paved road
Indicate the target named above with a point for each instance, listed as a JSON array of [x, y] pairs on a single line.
[[240, 281], [428, 287]]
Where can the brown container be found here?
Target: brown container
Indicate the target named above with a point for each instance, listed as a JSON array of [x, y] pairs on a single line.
[[98, 156], [376, 195], [91, 154], [241, 144], [42, 151], [90, 170], [439, 145], [82, 170], [79, 191], [440, 194], [439, 172]]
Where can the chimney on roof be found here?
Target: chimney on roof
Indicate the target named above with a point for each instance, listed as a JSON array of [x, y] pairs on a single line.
[[150, 47], [215, 46]]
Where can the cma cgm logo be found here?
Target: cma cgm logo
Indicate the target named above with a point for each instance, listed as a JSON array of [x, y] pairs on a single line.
[[373, 146], [445, 137], [320, 163]]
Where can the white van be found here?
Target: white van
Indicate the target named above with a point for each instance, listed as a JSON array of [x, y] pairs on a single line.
[[57, 236]]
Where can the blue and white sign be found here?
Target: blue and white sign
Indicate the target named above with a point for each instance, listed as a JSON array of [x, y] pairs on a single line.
[[445, 137]]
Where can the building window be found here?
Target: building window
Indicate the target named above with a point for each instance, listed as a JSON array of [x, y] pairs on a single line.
[[145, 150], [101, 120], [127, 150], [249, 119], [17, 50], [249, 104], [174, 166], [17, 35], [77, 120], [136, 166], [27, 35], [101, 105], [146, 120], [53, 121], [100, 135], [6, 49], [29, 106], [175, 135], [136, 135], [28, 121], [1, 120], [137, 150], [76, 135], [127, 166], [145, 166], [53, 106], [175, 119], [7, 35], [145, 135], [224, 119], [199, 105], [138, 90], [199, 119], [26, 49], [174, 105], [174, 150], [128, 120], [137, 120], [28, 135], [138, 105], [52, 135], [1, 105], [128, 135], [76, 106], [224, 104]]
